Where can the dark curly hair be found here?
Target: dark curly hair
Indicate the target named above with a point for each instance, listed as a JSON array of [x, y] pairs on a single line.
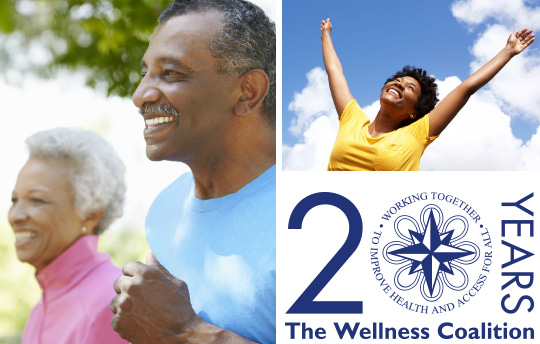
[[428, 95]]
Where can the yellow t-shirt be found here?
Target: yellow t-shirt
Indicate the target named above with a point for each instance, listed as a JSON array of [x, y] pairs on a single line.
[[356, 150]]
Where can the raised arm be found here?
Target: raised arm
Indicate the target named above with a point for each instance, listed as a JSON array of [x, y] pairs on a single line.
[[338, 84], [448, 108]]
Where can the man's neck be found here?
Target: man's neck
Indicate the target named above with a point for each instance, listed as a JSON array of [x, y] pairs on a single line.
[[228, 176], [244, 156]]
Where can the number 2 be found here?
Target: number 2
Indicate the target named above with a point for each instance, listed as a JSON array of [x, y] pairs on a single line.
[[305, 304]]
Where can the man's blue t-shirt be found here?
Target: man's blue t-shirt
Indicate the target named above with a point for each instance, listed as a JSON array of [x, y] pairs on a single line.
[[224, 249]]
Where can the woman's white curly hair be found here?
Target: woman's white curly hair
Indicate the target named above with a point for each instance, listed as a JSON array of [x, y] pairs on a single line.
[[97, 173]]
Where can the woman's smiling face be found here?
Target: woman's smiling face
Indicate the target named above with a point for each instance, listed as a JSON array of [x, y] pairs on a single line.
[[402, 94], [43, 214]]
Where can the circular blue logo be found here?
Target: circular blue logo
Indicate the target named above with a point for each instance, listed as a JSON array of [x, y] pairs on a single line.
[[431, 253]]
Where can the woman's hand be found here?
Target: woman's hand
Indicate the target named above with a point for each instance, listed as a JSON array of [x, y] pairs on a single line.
[[338, 84], [326, 27], [518, 41]]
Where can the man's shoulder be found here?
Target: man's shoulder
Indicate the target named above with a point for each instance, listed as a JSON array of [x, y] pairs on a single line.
[[267, 180]]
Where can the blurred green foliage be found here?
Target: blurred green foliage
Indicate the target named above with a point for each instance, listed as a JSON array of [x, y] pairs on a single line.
[[106, 38]]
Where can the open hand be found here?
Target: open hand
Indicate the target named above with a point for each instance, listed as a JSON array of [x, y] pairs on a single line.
[[151, 303], [326, 27], [519, 41]]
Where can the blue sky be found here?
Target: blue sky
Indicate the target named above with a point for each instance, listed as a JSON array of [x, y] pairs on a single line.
[[374, 39]]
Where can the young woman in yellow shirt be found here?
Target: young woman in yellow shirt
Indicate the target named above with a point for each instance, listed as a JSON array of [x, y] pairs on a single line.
[[409, 118]]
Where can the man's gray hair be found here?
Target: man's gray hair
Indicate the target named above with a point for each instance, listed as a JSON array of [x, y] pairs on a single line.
[[96, 171], [246, 40]]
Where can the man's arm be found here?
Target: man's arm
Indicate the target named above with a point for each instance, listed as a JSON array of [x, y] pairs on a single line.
[[338, 84], [448, 108], [153, 306]]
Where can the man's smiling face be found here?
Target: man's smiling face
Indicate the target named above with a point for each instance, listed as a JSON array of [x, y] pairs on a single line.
[[185, 103]]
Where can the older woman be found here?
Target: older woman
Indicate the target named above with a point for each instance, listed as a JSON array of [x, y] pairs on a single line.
[[68, 192], [408, 120]]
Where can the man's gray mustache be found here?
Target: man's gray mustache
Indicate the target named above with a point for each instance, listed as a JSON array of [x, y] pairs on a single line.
[[161, 108]]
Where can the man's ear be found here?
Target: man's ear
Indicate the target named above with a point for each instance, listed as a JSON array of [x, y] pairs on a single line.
[[255, 86]]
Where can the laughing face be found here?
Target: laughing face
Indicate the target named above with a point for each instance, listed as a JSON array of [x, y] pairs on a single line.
[[401, 94], [185, 103], [43, 214]]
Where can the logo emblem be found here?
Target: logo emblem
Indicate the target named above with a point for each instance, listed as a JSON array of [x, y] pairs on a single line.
[[429, 255]]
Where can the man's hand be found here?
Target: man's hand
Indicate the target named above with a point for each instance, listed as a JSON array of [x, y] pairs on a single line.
[[326, 27], [519, 40], [152, 305]]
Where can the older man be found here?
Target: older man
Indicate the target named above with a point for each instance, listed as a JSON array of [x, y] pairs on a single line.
[[207, 96]]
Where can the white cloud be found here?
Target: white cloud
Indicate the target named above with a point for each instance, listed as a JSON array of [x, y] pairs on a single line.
[[530, 153], [516, 86], [480, 138], [513, 13], [316, 125], [313, 153], [313, 101]]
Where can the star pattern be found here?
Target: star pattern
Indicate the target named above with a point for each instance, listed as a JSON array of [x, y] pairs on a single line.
[[431, 252]]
